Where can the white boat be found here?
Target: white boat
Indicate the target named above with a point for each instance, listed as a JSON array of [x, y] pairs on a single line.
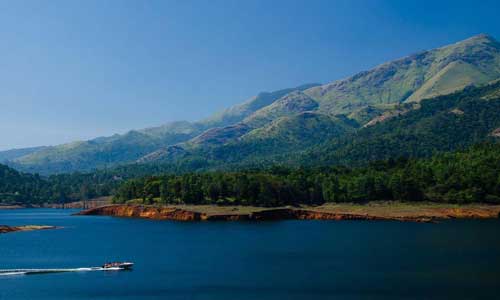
[[118, 265]]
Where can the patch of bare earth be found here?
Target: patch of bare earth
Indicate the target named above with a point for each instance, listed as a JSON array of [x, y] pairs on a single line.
[[380, 210]]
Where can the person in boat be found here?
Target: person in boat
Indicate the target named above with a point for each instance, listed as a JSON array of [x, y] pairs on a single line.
[[109, 265], [121, 265]]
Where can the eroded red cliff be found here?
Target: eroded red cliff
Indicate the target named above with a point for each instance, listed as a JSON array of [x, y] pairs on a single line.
[[178, 214]]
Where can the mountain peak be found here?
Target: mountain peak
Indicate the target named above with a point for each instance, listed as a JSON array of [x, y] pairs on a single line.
[[474, 61], [481, 38]]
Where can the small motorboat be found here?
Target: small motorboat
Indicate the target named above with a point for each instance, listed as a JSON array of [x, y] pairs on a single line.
[[118, 265]]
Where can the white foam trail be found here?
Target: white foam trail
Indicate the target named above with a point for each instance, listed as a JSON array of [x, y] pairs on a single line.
[[11, 272]]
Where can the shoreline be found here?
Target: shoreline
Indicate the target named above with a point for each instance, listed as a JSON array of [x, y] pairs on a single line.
[[374, 211]]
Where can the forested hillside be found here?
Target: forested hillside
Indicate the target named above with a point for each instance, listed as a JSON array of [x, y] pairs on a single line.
[[24, 188], [441, 124], [460, 177], [19, 187], [444, 123]]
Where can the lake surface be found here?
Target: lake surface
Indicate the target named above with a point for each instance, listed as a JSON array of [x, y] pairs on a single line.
[[244, 260]]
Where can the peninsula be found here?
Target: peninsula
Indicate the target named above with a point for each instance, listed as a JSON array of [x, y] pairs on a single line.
[[377, 210]]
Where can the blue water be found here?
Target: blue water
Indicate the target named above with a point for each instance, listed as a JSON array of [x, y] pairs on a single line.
[[244, 260]]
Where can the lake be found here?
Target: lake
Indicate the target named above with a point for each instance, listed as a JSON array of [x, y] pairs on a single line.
[[245, 260]]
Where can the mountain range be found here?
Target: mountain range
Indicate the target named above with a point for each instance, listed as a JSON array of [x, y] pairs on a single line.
[[375, 114]]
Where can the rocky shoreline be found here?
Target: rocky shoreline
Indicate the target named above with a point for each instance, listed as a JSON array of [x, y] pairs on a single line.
[[266, 214], [7, 229]]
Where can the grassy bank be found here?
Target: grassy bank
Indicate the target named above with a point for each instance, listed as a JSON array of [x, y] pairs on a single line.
[[379, 209]]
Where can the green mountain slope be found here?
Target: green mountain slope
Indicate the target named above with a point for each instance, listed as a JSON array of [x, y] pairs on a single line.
[[375, 96], [16, 153], [218, 136], [302, 129], [292, 103], [285, 134], [289, 105], [239, 112], [444, 123], [288, 134], [126, 148], [258, 112], [100, 152], [387, 92], [413, 78]]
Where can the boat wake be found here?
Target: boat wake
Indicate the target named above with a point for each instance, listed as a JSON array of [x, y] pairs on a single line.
[[14, 272]]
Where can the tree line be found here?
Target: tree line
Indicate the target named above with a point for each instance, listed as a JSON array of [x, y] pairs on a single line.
[[25, 188], [467, 176], [460, 177]]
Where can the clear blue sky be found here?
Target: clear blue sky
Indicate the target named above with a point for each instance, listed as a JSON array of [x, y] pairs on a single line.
[[79, 69]]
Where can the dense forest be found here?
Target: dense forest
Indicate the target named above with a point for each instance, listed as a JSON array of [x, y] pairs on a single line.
[[460, 177], [24, 188], [19, 187], [467, 176]]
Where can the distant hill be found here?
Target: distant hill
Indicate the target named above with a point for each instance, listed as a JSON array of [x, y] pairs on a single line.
[[118, 149], [17, 153], [441, 124], [474, 61], [103, 152], [308, 117], [239, 112], [293, 103], [365, 99]]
